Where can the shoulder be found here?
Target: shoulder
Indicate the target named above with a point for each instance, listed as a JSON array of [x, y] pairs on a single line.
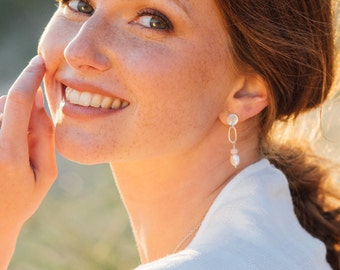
[[227, 259], [242, 255], [251, 225], [187, 260]]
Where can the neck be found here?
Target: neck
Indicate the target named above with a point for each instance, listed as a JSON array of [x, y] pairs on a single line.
[[166, 198]]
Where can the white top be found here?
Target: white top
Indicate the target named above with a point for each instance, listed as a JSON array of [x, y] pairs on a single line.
[[251, 225]]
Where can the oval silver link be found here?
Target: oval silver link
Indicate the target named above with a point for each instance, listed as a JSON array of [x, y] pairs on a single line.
[[232, 135]]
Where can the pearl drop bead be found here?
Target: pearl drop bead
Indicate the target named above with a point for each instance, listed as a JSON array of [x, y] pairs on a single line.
[[235, 160]]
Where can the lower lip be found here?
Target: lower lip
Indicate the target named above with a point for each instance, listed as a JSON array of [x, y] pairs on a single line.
[[86, 113]]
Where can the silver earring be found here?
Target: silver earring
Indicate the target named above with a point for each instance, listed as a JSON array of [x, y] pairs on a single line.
[[232, 120]]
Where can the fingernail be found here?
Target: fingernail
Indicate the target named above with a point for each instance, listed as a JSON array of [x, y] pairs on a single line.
[[36, 60]]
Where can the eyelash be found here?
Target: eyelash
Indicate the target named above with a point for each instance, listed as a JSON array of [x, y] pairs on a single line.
[[65, 2], [159, 15], [62, 2], [144, 12]]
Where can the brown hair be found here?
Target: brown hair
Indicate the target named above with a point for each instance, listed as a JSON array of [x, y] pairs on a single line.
[[291, 45]]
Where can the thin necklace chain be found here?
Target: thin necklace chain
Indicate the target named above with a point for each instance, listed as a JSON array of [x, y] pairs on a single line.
[[193, 230]]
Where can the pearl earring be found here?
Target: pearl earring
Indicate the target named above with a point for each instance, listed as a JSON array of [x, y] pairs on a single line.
[[232, 120]]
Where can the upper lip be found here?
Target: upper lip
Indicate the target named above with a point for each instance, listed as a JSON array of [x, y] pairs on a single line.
[[82, 86]]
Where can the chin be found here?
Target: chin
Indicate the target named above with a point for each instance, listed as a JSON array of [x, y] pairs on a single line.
[[77, 156], [78, 150]]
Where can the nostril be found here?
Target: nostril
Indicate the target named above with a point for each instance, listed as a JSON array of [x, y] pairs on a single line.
[[85, 54]]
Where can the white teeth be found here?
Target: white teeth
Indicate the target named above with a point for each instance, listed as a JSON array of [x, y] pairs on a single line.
[[116, 104], [74, 97], [106, 102], [85, 99], [125, 104], [94, 100]]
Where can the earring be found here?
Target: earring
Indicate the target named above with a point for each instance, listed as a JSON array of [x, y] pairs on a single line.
[[232, 120]]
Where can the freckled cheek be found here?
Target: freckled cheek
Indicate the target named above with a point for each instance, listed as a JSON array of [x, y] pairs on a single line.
[[164, 72], [53, 43], [173, 78], [172, 92]]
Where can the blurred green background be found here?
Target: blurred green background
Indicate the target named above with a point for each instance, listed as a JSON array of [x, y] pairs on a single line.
[[82, 223]]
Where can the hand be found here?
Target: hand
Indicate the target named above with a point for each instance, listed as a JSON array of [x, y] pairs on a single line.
[[27, 155]]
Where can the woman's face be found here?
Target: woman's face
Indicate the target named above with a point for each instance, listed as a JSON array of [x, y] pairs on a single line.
[[135, 79]]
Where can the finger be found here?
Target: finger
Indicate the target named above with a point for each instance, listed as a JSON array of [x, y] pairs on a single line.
[[19, 102], [41, 144], [2, 103], [2, 106]]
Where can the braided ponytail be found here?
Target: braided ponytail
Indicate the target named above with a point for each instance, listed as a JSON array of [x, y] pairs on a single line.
[[290, 44]]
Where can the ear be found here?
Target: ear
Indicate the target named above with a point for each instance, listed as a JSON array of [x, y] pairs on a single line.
[[247, 99]]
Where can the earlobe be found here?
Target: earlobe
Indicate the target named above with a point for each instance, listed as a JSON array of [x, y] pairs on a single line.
[[248, 100]]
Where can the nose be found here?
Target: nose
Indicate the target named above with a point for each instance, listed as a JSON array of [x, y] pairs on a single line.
[[87, 49]]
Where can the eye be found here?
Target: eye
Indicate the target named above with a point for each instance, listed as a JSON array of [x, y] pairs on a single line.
[[81, 6], [154, 20]]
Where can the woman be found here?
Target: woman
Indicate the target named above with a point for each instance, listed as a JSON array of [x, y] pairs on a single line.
[[180, 98]]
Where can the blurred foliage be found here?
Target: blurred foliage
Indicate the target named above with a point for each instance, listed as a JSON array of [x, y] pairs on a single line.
[[82, 223], [21, 24]]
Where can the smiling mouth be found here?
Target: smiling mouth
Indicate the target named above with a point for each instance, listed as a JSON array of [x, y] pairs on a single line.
[[87, 99]]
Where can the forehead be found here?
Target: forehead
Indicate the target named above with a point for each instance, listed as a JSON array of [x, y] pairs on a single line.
[[182, 4], [194, 8], [187, 5]]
